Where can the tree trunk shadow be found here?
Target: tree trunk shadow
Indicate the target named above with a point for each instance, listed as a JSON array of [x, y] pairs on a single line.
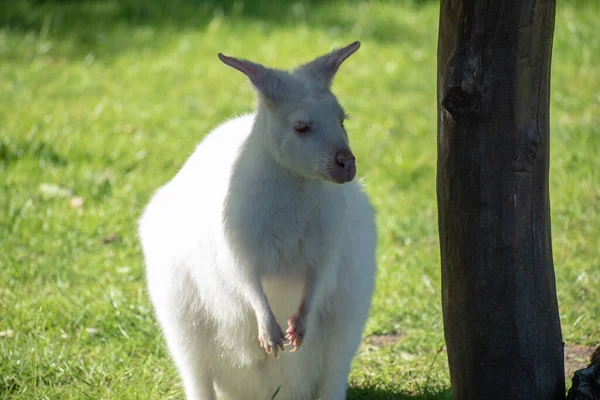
[[374, 393]]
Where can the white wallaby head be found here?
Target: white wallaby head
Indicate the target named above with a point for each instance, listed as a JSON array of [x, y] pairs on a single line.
[[299, 118]]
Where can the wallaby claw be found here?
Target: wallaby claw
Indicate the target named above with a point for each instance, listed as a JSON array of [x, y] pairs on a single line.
[[271, 339], [295, 331]]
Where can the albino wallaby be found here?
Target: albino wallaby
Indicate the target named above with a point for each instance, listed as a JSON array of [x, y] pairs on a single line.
[[265, 225]]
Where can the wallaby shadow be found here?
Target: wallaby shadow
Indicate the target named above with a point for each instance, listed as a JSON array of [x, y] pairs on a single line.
[[104, 26]]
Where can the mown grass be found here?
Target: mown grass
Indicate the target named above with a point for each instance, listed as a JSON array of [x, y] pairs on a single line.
[[104, 100]]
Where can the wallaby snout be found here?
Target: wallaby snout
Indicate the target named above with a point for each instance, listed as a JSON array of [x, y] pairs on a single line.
[[344, 169]]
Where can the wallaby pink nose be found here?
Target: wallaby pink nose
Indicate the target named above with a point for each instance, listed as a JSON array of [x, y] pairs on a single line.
[[346, 163]]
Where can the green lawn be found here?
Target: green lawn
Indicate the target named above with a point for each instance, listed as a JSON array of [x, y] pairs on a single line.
[[103, 101]]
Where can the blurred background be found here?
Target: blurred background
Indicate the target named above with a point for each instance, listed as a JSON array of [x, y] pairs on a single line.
[[102, 101]]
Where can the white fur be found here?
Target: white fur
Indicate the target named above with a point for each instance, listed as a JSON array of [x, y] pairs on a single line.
[[236, 221]]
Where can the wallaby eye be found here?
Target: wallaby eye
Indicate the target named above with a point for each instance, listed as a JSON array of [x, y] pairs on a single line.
[[302, 128], [342, 122]]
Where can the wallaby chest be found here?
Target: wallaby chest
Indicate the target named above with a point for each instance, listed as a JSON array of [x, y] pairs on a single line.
[[287, 228]]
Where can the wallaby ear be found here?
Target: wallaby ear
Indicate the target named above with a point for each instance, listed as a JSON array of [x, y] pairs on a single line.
[[266, 80], [323, 68]]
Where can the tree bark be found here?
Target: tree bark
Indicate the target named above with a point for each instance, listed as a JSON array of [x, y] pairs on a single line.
[[586, 382], [500, 309]]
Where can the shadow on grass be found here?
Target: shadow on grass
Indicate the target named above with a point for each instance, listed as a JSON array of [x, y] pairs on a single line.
[[104, 26], [385, 394]]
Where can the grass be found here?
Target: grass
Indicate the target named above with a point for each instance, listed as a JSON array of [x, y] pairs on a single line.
[[103, 101]]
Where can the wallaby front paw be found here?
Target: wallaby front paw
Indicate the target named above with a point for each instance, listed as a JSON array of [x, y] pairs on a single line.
[[271, 337], [295, 331]]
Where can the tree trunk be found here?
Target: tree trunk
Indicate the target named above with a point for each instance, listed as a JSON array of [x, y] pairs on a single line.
[[498, 287], [586, 382]]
